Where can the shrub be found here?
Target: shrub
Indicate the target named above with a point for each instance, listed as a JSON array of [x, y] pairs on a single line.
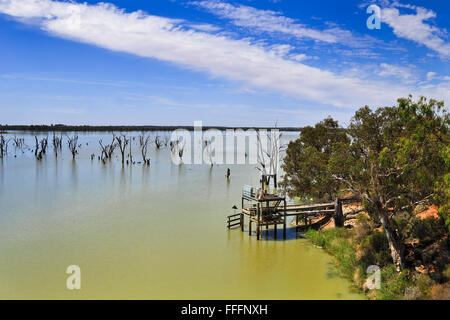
[[375, 250], [427, 229], [393, 284]]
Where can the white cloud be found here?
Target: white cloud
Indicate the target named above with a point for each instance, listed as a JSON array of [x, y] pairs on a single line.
[[414, 27], [431, 75], [388, 70], [263, 20], [169, 40], [274, 22]]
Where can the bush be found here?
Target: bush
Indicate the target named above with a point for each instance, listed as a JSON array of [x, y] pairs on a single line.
[[429, 229], [375, 250], [394, 285]]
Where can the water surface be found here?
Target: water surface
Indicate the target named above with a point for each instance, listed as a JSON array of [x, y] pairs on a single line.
[[141, 232]]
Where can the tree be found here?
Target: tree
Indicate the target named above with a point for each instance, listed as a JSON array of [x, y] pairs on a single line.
[[305, 164], [73, 145], [122, 142], [394, 158], [144, 142], [393, 161]]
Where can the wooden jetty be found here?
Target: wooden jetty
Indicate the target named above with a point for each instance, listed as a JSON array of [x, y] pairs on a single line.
[[266, 209]]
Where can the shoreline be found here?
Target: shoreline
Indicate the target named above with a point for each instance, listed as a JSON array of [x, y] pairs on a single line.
[[5, 129]]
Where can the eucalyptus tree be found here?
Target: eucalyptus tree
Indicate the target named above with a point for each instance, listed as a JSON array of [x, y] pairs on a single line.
[[394, 158]]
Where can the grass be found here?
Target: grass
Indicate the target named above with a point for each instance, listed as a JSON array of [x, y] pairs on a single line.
[[355, 249]]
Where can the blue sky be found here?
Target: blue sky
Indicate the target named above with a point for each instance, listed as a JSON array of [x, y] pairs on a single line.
[[237, 63]]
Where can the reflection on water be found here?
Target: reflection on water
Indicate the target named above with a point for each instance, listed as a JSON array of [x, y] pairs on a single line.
[[143, 232]]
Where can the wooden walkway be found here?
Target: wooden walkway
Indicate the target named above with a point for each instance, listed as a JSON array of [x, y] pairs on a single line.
[[273, 211]]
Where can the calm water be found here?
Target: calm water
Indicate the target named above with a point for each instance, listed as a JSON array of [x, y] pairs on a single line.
[[140, 232]]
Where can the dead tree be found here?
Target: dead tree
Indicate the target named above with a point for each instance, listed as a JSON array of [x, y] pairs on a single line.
[[18, 142], [73, 145], [36, 149], [3, 146], [122, 142], [57, 142], [177, 149], [269, 153], [208, 150], [107, 150], [158, 142], [144, 142], [44, 144], [131, 152]]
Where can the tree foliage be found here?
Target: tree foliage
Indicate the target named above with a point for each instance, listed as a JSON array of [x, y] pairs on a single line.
[[394, 158], [307, 159]]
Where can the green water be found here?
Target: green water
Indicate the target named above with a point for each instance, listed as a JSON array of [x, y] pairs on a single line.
[[140, 232]]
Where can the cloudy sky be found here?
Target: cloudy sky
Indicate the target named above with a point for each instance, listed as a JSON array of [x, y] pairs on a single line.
[[237, 63]]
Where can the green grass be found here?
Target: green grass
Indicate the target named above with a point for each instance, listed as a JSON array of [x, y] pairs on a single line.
[[343, 244]]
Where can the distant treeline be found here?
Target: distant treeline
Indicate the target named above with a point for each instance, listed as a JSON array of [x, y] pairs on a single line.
[[86, 128]]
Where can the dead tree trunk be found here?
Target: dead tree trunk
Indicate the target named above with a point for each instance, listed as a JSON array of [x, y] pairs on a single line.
[[338, 215], [36, 149], [44, 144], [122, 142], [3, 146], [57, 142], [144, 142], [73, 145], [395, 245], [158, 142]]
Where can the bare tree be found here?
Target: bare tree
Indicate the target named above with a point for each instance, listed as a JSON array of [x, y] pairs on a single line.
[[44, 144], [208, 145], [177, 148], [3, 146], [18, 142], [131, 152], [107, 150], [36, 148], [122, 142], [57, 142], [73, 145], [158, 142], [144, 142], [269, 152]]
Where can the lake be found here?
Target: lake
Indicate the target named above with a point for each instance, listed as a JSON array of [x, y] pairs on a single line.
[[140, 232]]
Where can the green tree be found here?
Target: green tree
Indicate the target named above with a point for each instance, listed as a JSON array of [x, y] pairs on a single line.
[[395, 158], [306, 161]]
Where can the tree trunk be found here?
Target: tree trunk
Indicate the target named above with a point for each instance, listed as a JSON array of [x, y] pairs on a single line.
[[395, 245], [338, 215]]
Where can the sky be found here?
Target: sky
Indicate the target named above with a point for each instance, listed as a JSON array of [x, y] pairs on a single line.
[[226, 63]]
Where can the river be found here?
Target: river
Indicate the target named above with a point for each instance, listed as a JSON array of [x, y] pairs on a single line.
[[139, 232]]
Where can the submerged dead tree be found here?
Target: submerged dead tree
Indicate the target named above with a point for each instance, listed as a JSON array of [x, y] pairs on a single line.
[[3, 146], [177, 149], [208, 150], [57, 144], [36, 147], [269, 151], [158, 142], [107, 150], [143, 143], [73, 145], [18, 142], [122, 142], [44, 144]]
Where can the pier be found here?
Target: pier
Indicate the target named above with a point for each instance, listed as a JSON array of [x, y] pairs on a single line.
[[270, 209]]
